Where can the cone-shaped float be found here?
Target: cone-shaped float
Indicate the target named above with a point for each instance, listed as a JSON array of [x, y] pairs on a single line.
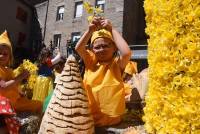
[[68, 110]]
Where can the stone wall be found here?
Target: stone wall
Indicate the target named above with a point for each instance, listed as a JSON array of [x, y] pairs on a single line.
[[14, 26], [69, 24], [41, 13]]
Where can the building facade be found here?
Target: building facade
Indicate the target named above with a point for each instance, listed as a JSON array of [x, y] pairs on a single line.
[[62, 20], [19, 18], [16, 19]]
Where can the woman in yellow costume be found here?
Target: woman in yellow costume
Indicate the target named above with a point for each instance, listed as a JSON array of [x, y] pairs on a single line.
[[103, 71], [11, 86], [44, 82]]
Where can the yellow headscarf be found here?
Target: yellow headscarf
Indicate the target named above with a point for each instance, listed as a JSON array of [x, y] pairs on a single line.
[[131, 68], [4, 40], [101, 34]]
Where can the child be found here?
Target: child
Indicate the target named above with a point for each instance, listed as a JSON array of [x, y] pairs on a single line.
[[44, 82], [130, 70], [103, 71], [9, 85], [57, 71], [10, 89]]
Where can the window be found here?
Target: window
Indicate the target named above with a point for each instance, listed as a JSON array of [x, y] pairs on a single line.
[[22, 15], [78, 9], [101, 4], [60, 13], [75, 36], [57, 40]]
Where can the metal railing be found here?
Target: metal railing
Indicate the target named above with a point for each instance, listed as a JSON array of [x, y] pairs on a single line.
[[137, 46], [138, 53]]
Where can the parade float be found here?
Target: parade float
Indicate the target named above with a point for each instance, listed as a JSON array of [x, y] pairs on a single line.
[[172, 101], [68, 110]]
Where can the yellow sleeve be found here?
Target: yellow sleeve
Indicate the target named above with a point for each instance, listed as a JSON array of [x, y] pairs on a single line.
[[12, 91], [131, 68], [89, 59], [6, 74]]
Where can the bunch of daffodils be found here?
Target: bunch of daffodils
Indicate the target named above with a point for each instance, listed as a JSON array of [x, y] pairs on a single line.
[[94, 11], [32, 69], [173, 98]]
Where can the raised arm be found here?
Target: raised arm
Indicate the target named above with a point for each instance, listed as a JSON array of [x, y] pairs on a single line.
[[81, 45], [57, 58], [125, 52], [121, 44]]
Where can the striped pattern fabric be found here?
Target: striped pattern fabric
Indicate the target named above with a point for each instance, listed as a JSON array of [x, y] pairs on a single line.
[[68, 112]]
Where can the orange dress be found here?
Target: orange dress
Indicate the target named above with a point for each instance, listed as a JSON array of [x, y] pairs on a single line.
[[104, 85], [12, 93]]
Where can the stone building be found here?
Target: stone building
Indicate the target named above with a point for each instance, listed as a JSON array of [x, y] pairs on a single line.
[[61, 20], [19, 18]]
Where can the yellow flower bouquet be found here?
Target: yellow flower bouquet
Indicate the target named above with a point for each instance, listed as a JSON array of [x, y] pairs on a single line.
[[94, 11], [32, 69], [172, 101]]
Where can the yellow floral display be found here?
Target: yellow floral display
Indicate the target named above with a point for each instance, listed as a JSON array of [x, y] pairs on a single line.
[[32, 69], [173, 98], [94, 11]]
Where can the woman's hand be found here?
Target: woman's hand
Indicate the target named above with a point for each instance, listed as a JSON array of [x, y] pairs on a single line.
[[2, 84], [95, 24], [24, 75], [106, 24]]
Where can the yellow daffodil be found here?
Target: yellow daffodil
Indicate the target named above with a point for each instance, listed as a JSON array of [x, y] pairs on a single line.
[[98, 10], [172, 100], [88, 7], [32, 69], [94, 11], [90, 18]]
